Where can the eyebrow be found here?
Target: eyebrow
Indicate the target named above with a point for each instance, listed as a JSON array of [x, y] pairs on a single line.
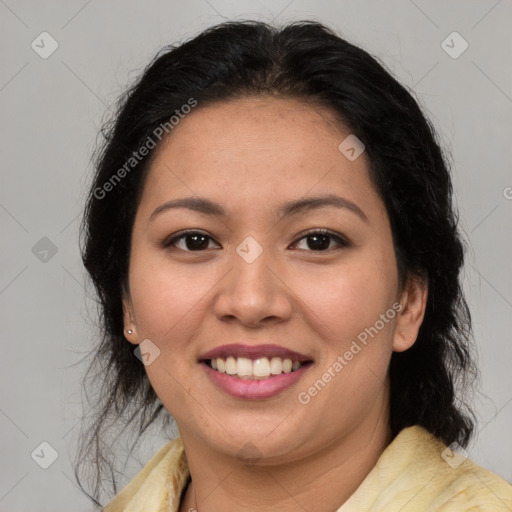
[[208, 207]]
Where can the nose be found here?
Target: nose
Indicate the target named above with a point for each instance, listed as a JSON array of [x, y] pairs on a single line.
[[253, 294]]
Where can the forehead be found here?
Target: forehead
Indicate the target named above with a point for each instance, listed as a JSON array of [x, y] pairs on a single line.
[[255, 150], [256, 128]]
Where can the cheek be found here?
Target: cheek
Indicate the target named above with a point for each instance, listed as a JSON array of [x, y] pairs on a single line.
[[166, 296], [346, 300], [167, 304], [356, 344]]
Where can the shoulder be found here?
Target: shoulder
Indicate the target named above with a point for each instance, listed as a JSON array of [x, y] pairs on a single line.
[[157, 487], [419, 472]]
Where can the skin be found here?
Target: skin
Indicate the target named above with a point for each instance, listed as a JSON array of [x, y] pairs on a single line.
[[250, 156]]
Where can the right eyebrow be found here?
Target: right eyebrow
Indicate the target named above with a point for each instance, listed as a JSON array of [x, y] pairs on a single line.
[[197, 204]]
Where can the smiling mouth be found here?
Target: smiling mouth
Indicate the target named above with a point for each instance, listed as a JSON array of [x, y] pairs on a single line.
[[257, 369]]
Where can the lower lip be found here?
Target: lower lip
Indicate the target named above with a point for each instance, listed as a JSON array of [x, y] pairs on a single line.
[[254, 389]]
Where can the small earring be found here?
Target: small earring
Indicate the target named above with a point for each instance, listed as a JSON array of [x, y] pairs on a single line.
[[130, 331]]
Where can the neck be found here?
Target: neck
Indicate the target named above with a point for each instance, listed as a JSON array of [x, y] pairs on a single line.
[[323, 481]]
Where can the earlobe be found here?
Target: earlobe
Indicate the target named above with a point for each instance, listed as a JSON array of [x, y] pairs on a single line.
[[130, 332], [410, 317]]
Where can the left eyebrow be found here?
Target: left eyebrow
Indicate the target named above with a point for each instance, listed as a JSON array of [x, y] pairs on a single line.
[[311, 203]]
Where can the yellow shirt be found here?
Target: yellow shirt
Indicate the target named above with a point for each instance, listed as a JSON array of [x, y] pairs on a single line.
[[415, 473]]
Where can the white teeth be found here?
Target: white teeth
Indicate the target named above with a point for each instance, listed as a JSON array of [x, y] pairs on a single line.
[[261, 368], [231, 366], [244, 367], [287, 365], [276, 366]]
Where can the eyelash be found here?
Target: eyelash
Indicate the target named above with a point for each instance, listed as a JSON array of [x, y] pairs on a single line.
[[341, 241]]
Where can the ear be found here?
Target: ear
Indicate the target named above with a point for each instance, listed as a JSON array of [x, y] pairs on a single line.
[[130, 329], [409, 319]]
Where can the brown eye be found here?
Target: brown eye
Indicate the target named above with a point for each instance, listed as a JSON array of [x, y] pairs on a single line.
[[192, 241], [196, 242], [321, 241]]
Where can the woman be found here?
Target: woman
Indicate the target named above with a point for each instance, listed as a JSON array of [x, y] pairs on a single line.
[[272, 238]]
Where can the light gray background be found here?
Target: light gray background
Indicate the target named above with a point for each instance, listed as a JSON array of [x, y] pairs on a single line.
[[51, 110]]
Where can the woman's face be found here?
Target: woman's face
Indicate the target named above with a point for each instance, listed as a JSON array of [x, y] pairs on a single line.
[[254, 284]]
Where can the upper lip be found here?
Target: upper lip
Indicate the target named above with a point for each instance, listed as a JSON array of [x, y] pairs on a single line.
[[254, 352]]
